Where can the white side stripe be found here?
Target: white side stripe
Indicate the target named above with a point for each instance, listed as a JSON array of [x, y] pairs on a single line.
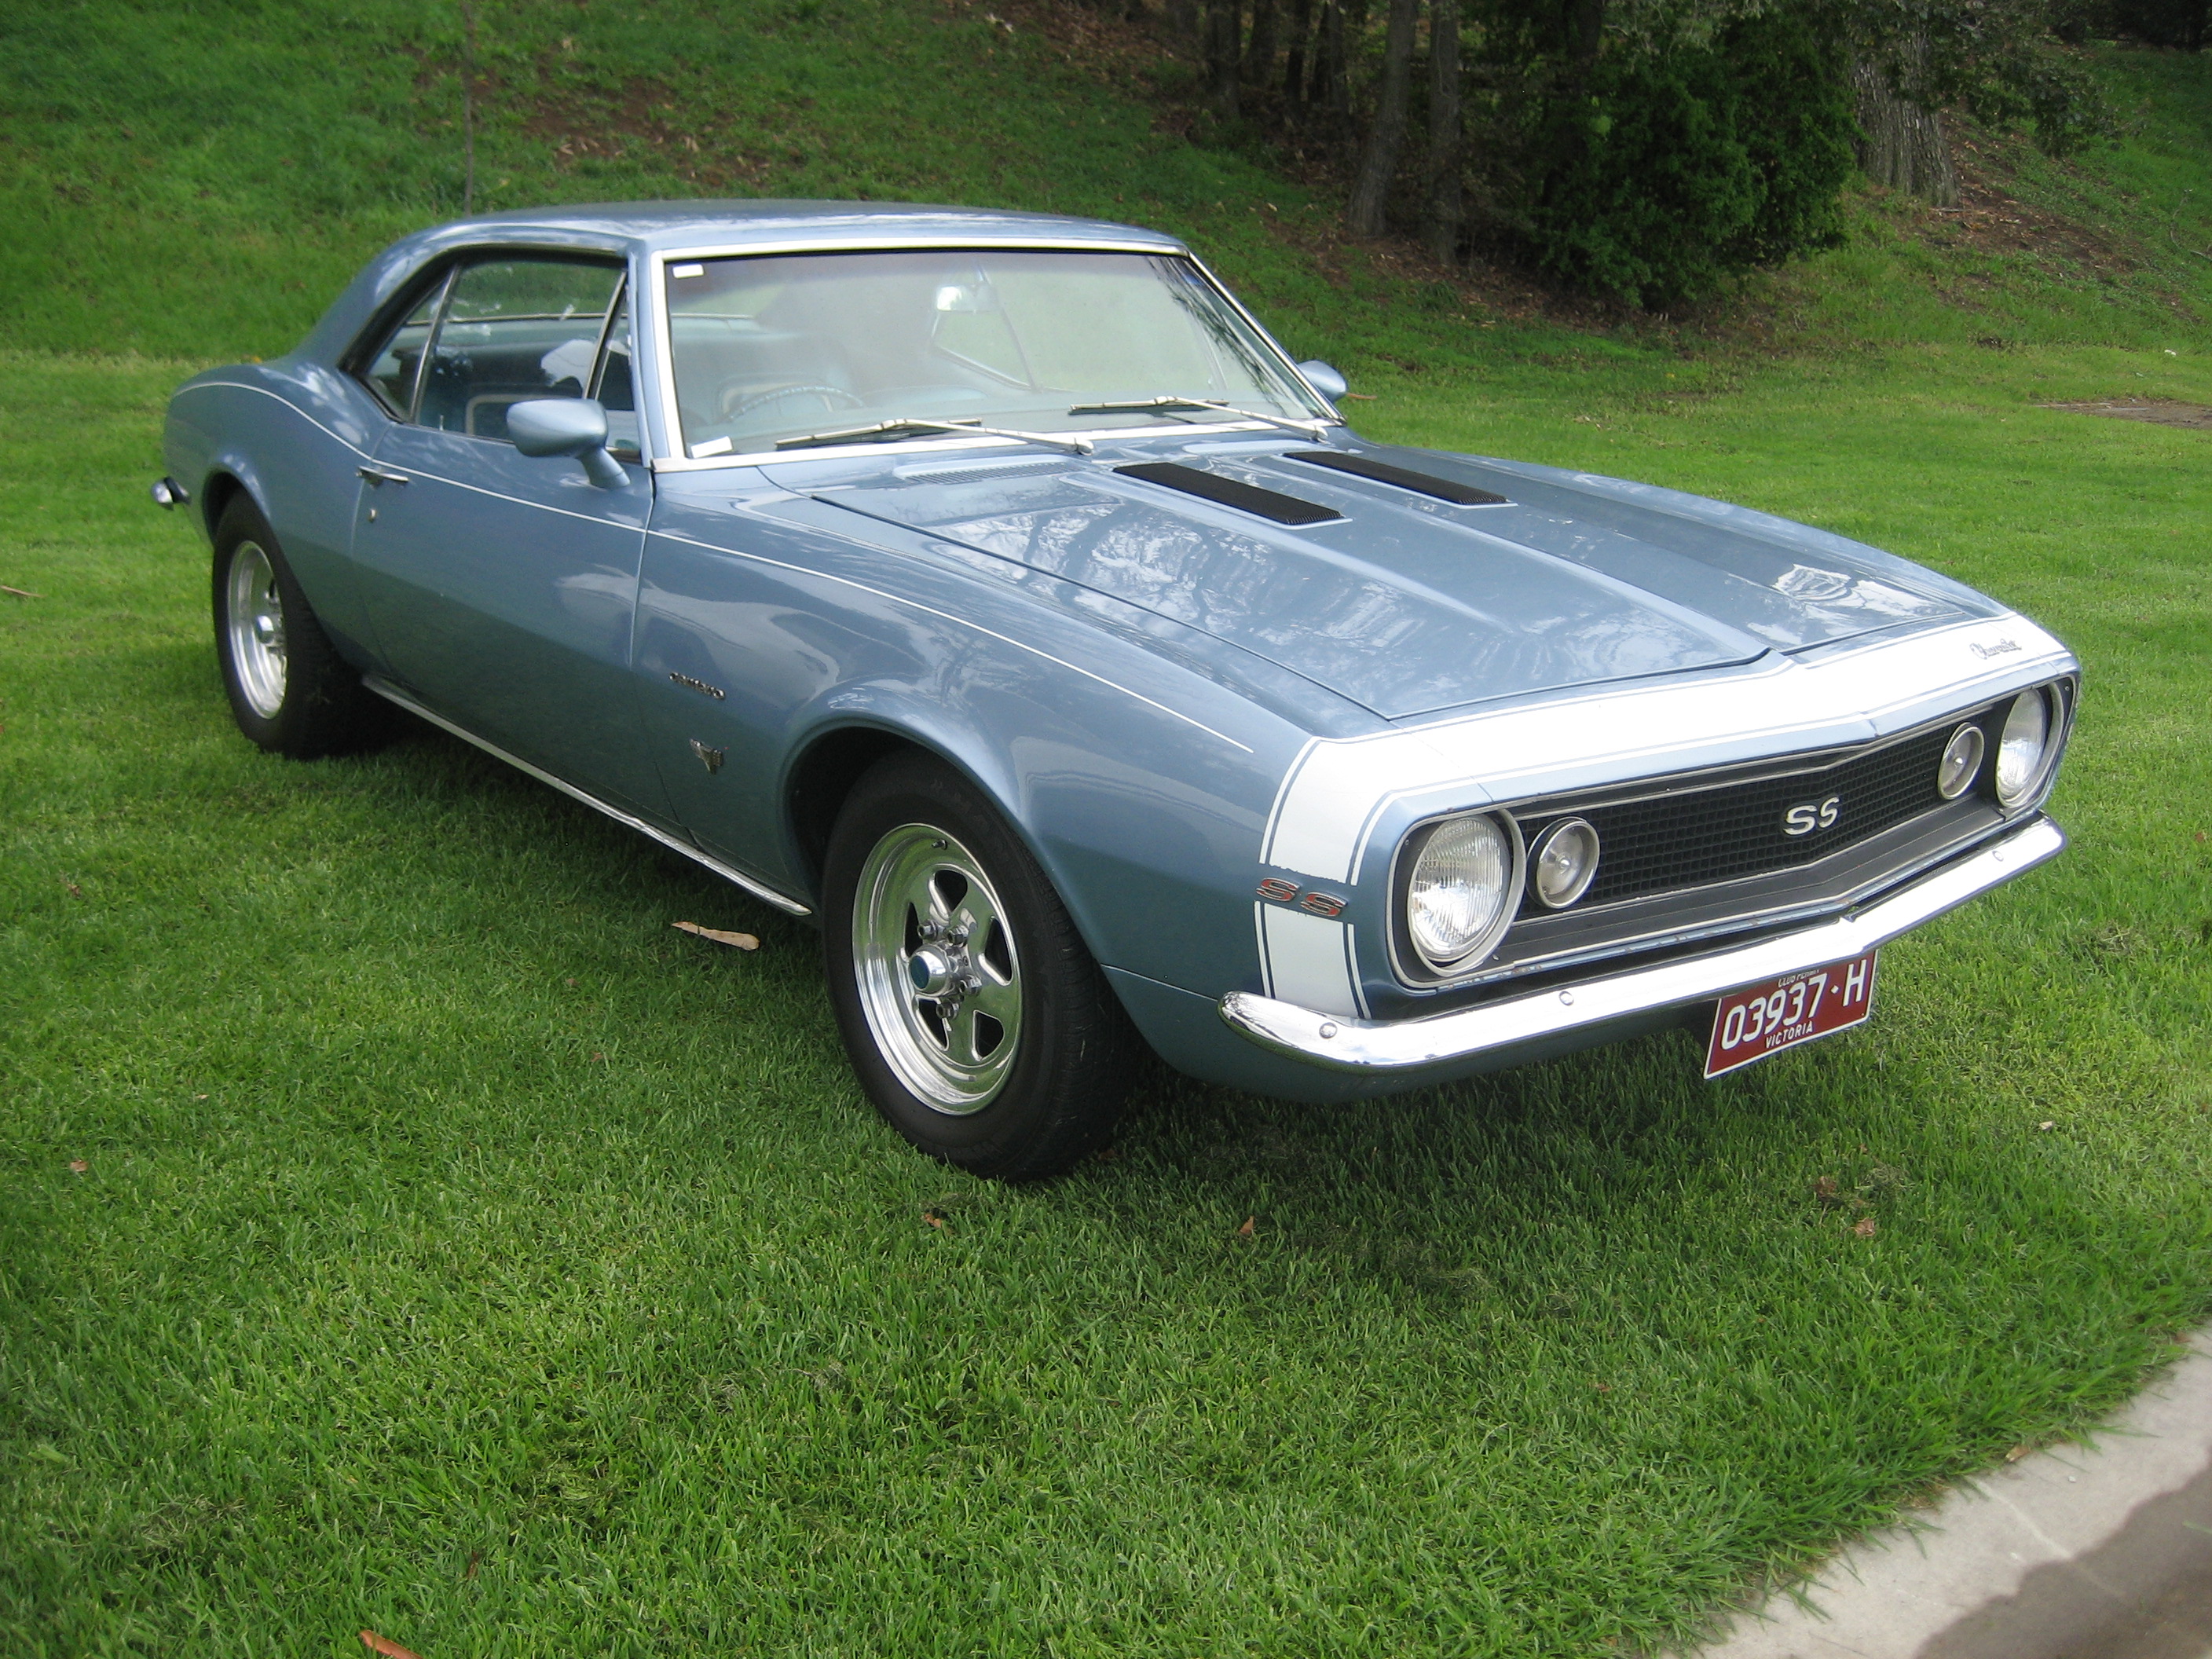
[[1309, 961]]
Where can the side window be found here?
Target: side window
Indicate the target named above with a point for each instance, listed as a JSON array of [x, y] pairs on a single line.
[[391, 373], [612, 384], [514, 329]]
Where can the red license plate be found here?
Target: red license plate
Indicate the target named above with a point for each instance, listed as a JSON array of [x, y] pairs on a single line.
[[1764, 1019]]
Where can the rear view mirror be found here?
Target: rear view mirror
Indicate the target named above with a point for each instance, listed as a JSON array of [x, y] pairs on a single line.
[[567, 426], [1324, 380]]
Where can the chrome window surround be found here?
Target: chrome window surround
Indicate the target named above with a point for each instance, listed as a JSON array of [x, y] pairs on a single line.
[[1399, 942], [448, 265], [1408, 965], [669, 456]]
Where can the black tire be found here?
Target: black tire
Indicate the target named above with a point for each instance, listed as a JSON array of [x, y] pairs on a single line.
[[1055, 1094], [291, 693]]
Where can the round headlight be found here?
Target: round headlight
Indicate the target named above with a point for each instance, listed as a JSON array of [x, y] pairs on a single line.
[[1460, 895], [2022, 748], [1564, 862], [1961, 762]]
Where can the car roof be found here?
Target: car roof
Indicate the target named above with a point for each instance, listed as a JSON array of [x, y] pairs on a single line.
[[646, 227], [658, 226]]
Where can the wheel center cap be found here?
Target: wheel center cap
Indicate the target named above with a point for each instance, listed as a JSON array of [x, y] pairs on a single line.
[[931, 971]]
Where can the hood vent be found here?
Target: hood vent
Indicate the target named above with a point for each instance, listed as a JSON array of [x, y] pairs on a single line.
[[1245, 498], [1420, 484]]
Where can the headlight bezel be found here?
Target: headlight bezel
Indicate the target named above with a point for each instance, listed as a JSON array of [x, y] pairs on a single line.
[[2056, 711], [1411, 958]]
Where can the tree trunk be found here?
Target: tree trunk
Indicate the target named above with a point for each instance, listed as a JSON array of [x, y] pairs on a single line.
[[1294, 64], [1260, 51], [1445, 211], [1332, 87], [1224, 25], [1378, 162], [1902, 144]]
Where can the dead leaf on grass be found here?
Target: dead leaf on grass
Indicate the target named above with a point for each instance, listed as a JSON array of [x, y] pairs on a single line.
[[78, 1166], [1245, 1232], [74, 891], [21, 592], [739, 941], [386, 1646], [475, 1558], [935, 1218], [1825, 1189], [1864, 1227], [2018, 1452], [1602, 1388], [2047, 1123]]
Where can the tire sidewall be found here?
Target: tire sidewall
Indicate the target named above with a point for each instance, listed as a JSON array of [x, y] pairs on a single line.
[[241, 522], [1038, 1102]]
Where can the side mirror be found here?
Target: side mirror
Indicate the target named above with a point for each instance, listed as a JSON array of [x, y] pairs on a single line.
[[1324, 380], [567, 426]]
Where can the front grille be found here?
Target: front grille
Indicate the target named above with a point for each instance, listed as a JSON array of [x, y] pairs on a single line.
[[1666, 842]]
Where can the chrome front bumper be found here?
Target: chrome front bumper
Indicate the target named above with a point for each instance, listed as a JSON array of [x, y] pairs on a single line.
[[1552, 1021]]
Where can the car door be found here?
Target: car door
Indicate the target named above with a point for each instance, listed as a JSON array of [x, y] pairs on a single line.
[[503, 587]]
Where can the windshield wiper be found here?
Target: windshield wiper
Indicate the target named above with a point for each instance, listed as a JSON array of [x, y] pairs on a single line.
[[1313, 429], [1073, 446]]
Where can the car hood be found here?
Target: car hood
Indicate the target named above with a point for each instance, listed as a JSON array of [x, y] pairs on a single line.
[[1405, 604]]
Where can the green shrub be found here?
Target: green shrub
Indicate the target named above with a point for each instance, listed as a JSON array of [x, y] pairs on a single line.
[[1676, 165]]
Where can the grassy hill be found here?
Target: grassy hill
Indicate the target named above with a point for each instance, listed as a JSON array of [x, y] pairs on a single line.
[[400, 1226]]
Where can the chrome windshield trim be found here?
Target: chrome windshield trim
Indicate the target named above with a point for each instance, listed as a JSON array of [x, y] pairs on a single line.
[[925, 446], [392, 694], [657, 264], [1402, 1048]]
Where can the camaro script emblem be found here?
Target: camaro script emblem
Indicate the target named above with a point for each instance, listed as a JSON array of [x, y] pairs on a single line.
[[1805, 816]]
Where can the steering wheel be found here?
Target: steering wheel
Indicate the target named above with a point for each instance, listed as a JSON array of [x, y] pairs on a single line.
[[735, 407]]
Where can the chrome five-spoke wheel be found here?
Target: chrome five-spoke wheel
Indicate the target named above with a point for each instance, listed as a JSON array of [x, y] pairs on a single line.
[[938, 973], [254, 614]]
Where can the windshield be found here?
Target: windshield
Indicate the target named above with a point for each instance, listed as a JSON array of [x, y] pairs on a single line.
[[787, 345]]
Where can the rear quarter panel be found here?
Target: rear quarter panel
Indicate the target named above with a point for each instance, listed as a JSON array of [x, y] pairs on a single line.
[[290, 433]]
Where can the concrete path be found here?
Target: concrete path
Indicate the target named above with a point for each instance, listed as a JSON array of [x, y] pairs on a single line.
[[2102, 1553]]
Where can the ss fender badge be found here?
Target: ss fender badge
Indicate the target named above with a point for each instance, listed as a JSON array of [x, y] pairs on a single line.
[[1276, 890], [1808, 815]]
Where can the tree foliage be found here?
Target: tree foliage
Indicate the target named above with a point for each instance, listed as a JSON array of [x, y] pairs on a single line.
[[1646, 149]]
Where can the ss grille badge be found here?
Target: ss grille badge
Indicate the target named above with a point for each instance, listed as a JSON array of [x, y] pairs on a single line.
[[1805, 816], [712, 759]]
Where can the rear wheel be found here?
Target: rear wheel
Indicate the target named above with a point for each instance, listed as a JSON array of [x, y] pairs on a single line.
[[976, 1020], [289, 689]]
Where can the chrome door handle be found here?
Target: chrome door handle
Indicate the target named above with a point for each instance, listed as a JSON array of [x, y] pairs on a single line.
[[378, 476]]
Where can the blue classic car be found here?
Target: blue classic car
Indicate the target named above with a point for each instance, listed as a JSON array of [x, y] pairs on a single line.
[[992, 587]]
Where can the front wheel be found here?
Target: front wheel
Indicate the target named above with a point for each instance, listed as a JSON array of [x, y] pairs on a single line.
[[976, 1021]]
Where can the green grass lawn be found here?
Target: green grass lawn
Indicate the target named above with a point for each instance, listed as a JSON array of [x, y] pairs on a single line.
[[461, 1253]]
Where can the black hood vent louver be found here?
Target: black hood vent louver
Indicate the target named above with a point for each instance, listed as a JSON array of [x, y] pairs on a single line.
[[1420, 484], [1227, 492]]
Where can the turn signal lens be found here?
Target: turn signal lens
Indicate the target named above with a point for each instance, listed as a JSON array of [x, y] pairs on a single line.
[[1961, 762], [2024, 746], [1464, 881], [1564, 863]]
